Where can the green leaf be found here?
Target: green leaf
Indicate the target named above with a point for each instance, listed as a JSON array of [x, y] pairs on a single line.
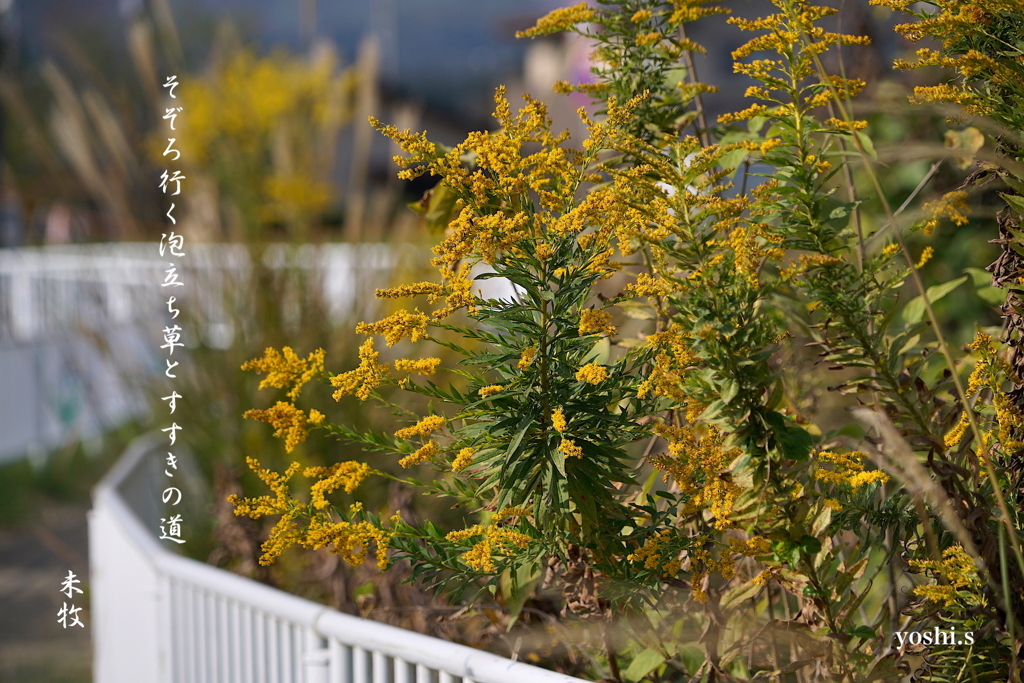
[[791, 441], [914, 311], [1016, 202], [692, 658], [363, 589], [983, 286], [643, 664], [810, 544], [729, 390], [867, 144], [862, 632]]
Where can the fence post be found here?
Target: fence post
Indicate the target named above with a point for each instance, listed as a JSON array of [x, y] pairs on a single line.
[[316, 657]]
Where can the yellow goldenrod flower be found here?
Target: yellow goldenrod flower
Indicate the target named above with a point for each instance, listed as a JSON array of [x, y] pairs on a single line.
[[285, 369], [420, 366], [289, 422], [427, 425], [559, 20], [957, 569], [592, 322], [569, 448], [558, 420], [488, 391], [433, 290], [463, 459], [421, 455], [480, 555], [397, 326], [592, 373], [345, 475], [849, 469], [364, 379]]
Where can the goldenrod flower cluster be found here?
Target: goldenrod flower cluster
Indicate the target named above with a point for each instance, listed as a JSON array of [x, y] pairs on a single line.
[[959, 576], [463, 459], [952, 205], [420, 455], [559, 20], [344, 475], [991, 371], [419, 366], [592, 373], [350, 539], [289, 422], [596, 322], [369, 375], [972, 35], [570, 449], [526, 358], [433, 291], [848, 469], [427, 425], [397, 326], [558, 421], [654, 556], [495, 539], [672, 360], [285, 369], [698, 463]]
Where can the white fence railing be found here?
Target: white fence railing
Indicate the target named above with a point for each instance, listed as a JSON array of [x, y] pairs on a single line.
[[72, 317], [158, 617]]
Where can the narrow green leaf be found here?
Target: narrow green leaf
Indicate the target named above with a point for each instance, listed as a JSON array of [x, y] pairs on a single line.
[[643, 664], [914, 311]]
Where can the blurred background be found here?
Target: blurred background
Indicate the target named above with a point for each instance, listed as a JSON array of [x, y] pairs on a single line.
[[291, 215]]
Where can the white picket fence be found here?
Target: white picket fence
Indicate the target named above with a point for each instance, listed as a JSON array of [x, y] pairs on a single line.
[[158, 617]]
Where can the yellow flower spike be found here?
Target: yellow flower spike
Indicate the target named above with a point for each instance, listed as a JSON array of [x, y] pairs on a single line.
[[952, 205], [570, 449], [559, 20], [420, 366], [957, 569], [427, 425], [649, 286], [278, 504], [345, 475], [488, 391], [558, 420], [364, 379], [431, 289], [421, 455], [849, 469], [289, 422], [463, 459], [480, 555], [592, 373], [397, 326], [926, 256], [596, 322], [526, 358], [285, 369]]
